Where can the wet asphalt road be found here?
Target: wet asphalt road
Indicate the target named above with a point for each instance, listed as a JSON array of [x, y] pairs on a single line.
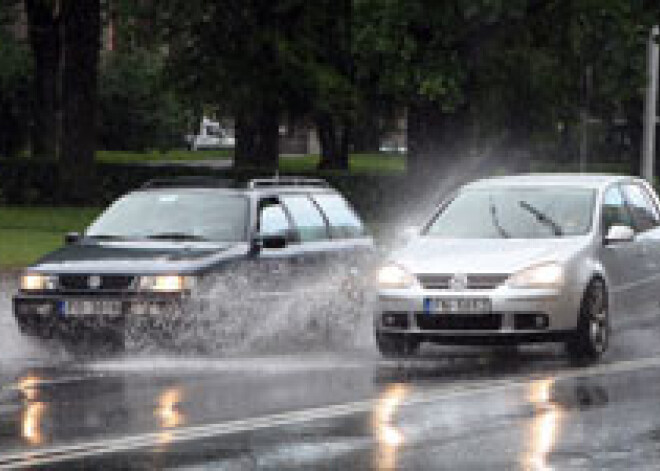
[[451, 409]]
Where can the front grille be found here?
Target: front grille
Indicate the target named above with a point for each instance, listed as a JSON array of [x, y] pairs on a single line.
[[434, 281], [475, 281], [459, 321], [530, 321], [397, 320], [108, 283]]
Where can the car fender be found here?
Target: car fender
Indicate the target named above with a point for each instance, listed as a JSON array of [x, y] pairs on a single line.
[[593, 268]]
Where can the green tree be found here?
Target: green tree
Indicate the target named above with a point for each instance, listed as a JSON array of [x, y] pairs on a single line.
[[238, 56], [15, 77], [489, 76], [45, 41], [136, 110], [82, 42]]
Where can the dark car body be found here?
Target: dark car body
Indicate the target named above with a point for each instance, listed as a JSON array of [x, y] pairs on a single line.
[[95, 282]]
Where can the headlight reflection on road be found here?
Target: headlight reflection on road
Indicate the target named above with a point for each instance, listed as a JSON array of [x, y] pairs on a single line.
[[169, 413], [32, 417], [544, 428], [31, 423], [168, 408], [388, 436]]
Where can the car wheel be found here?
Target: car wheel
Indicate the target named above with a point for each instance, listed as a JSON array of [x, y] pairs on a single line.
[[591, 338], [396, 345]]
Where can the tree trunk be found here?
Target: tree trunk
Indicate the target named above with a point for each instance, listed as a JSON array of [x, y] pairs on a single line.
[[334, 138], [257, 140], [44, 35], [81, 38]]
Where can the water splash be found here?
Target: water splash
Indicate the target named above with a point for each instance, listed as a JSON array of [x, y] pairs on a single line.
[[282, 310]]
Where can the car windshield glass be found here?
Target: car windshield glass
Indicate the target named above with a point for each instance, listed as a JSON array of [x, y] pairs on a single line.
[[181, 215], [516, 212]]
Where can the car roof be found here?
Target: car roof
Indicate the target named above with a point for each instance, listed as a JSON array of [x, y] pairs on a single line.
[[578, 180], [258, 187]]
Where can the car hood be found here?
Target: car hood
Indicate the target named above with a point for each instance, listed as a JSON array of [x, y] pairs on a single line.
[[152, 257], [483, 256]]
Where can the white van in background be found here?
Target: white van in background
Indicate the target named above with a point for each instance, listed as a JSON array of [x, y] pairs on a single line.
[[211, 135]]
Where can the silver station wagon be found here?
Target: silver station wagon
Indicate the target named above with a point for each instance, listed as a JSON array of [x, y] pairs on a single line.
[[529, 258]]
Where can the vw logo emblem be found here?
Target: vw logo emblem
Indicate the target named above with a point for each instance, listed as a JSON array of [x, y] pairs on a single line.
[[94, 282], [458, 282]]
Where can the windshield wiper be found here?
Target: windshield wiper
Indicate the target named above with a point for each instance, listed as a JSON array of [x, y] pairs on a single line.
[[542, 218], [496, 221], [175, 236]]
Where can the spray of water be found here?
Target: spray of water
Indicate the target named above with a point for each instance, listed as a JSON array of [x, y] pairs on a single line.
[[283, 310], [18, 349]]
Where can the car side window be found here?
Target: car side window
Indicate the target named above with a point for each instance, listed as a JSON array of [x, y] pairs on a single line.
[[643, 211], [615, 211], [273, 219], [344, 223], [306, 217]]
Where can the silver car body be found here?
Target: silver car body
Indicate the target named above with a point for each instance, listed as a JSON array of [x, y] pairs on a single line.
[[631, 271]]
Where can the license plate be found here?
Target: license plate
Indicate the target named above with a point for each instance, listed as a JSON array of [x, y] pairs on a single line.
[[456, 305], [90, 308]]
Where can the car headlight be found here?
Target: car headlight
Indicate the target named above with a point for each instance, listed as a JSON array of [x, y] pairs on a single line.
[[394, 276], [166, 283], [545, 275], [38, 282]]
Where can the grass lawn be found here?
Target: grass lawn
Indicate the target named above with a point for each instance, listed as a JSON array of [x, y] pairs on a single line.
[[178, 155], [375, 163], [28, 233], [360, 164]]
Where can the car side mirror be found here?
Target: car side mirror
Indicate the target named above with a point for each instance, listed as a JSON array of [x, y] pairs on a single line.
[[619, 233], [269, 241], [71, 238]]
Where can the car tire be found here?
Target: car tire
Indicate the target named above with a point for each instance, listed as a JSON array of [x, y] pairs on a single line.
[[591, 337], [396, 345]]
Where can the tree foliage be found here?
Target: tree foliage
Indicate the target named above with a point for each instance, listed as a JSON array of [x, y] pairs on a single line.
[[493, 73], [136, 109]]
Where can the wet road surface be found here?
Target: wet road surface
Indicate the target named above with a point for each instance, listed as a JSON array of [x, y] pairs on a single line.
[[451, 409]]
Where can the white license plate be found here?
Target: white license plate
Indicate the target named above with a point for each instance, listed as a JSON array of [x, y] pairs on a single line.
[[91, 308], [457, 305]]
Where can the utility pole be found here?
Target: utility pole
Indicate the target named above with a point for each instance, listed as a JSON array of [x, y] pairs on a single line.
[[650, 108], [587, 85]]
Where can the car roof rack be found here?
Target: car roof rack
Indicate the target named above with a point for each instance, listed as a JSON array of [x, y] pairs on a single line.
[[188, 182], [287, 181]]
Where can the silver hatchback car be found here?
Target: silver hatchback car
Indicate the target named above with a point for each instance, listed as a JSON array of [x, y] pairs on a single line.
[[523, 259]]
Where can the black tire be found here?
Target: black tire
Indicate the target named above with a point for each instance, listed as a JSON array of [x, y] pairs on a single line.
[[591, 337], [396, 345]]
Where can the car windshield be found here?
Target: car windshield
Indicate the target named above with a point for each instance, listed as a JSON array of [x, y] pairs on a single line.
[[190, 214], [516, 212]]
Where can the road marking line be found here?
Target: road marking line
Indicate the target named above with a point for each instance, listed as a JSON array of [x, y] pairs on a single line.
[[168, 437]]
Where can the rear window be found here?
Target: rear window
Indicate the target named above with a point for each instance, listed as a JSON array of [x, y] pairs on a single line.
[[344, 223]]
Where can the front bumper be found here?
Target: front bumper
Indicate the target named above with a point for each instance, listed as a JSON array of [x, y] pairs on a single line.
[[44, 315], [516, 314]]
